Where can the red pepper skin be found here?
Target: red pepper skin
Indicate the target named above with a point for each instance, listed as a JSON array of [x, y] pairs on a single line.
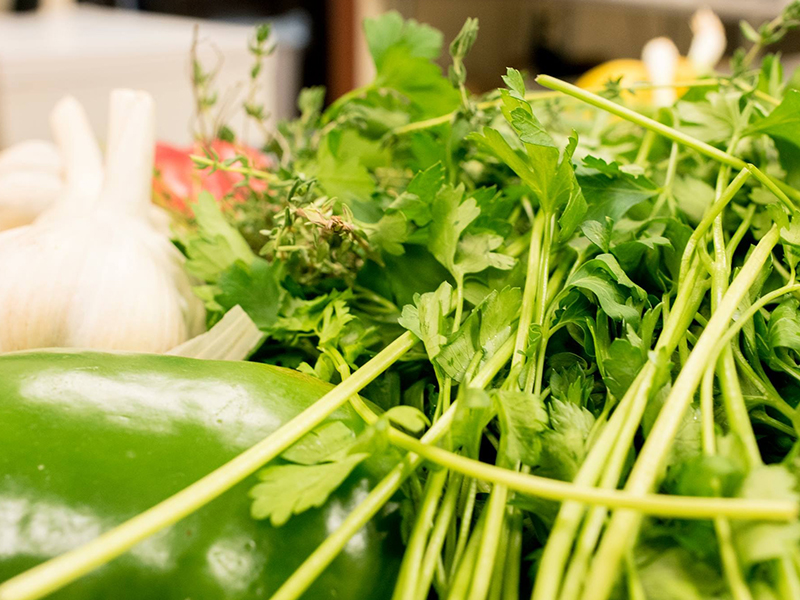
[[88, 440]]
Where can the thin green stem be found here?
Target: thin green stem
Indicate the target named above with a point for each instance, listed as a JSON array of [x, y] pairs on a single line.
[[443, 520], [688, 507], [408, 580], [490, 539], [529, 291], [761, 417], [710, 216], [561, 538], [664, 130], [204, 162], [444, 119], [733, 400], [623, 526], [466, 523], [740, 232], [466, 568], [58, 572], [644, 149], [318, 561]]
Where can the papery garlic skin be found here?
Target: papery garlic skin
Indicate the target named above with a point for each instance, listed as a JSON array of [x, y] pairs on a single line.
[[30, 181], [93, 272]]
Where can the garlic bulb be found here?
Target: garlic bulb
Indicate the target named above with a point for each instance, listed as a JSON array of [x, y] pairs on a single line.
[[93, 272], [30, 181]]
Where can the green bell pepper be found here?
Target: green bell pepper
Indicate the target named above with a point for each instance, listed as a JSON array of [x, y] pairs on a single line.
[[88, 440]]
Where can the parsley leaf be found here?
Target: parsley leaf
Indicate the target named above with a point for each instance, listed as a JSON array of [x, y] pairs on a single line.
[[287, 490], [784, 121], [472, 253], [216, 245], [523, 419]]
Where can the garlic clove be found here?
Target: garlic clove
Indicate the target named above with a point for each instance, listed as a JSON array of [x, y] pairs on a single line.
[[83, 166], [131, 152], [660, 57], [31, 155], [709, 41], [25, 194], [125, 274], [30, 181]]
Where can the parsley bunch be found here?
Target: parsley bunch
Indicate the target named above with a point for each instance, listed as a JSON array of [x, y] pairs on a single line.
[[595, 394]]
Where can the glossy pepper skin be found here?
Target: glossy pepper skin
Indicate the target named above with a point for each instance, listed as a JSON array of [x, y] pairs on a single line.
[[88, 440]]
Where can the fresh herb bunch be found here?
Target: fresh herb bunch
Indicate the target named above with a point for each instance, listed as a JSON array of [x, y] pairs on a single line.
[[606, 300]]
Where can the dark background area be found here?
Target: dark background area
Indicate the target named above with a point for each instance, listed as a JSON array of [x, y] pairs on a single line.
[[560, 37]]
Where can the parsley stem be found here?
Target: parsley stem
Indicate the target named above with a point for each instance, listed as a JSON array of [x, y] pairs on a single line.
[[610, 451], [709, 217], [203, 162], [58, 572], [724, 367], [624, 524], [539, 96], [529, 291], [443, 119], [485, 562], [462, 578], [469, 498], [408, 579], [686, 507], [653, 125], [443, 520], [318, 561]]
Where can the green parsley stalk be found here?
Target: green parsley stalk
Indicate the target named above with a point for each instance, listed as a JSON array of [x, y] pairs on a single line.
[[534, 303], [313, 566], [422, 449], [432, 559], [58, 572], [596, 518], [738, 417], [624, 524], [408, 579], [688, 507], [611, 448], [664, 130]]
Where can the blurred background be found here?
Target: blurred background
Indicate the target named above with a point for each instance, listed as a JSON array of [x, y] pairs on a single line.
[[52, 47]]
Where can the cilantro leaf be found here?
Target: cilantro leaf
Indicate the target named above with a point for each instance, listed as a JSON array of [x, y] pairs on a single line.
[[427, 318], [409, 418], [564, 445], [523, 419], [419, 80], [759, 542], [451, 216], [714, 120], [612, 193], [255, 287], [389, 30], [341, 176], [487, 327], [784, 121], [611, 286], [320, 443], [621, 366], [216, 245], [287, 490], [472, 414]]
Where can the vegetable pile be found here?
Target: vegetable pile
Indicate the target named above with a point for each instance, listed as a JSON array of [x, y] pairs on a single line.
[[577, 325]]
